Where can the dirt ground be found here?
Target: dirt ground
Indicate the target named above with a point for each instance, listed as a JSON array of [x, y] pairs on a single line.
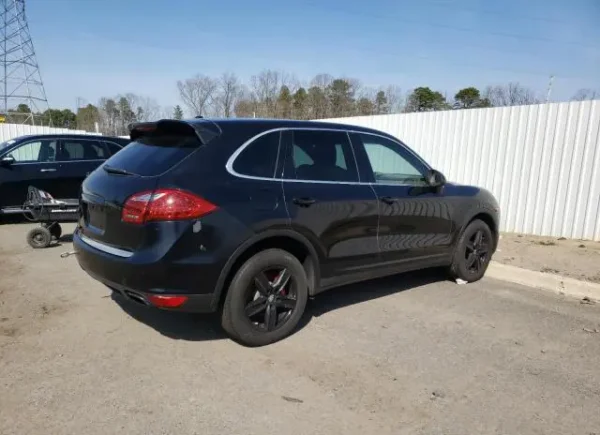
[[413, 354], [579, 259]]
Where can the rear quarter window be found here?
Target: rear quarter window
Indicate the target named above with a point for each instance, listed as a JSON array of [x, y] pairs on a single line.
[[154, 155], [259, 159]]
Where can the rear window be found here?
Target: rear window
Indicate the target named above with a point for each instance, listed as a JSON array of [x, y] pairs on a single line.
[[154, 155]]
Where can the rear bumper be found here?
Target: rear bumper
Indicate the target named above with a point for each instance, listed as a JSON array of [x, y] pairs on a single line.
[[137, 279]]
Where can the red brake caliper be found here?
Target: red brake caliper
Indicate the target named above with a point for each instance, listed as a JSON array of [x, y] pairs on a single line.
[[273, 276]]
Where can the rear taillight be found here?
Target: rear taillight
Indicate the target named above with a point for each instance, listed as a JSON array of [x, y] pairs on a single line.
[[164, 205]]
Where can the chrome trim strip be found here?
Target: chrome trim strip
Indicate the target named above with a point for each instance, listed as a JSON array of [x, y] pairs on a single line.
[[231, 160], [58, 162], [105, 248]]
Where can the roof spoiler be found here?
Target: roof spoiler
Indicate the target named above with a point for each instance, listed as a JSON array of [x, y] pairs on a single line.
[[204, 131]]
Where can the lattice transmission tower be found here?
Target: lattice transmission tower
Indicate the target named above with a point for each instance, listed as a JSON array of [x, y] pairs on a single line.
[[22, 94]]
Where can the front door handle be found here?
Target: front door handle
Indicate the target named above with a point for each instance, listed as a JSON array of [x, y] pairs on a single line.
[[48, 170], [304, 202], [387, 199]]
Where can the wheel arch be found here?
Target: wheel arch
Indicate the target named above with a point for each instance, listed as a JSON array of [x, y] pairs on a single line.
[[285, 239], [486, 217]]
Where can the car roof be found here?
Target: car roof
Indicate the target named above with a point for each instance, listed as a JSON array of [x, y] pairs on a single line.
[[269, 124]]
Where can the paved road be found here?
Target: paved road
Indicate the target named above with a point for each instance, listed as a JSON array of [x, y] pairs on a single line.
[[408, 355]]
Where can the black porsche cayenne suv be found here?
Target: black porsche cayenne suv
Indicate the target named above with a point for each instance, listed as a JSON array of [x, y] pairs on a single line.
[[253, 217]]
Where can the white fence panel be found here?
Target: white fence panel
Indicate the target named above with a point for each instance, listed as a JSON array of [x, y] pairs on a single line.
[[11, 131], [542, 162]]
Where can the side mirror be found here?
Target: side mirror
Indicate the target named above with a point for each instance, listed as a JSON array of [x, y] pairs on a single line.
[[435, 178], [7, 161]]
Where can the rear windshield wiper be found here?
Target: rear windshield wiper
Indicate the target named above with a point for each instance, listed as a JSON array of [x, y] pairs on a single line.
[[112, 170]]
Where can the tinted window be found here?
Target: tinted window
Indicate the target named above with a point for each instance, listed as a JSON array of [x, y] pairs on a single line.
[[391, 163], [153, 155], [259, 159], [36, 151], [321, 155], [73, 149], [113, 148]]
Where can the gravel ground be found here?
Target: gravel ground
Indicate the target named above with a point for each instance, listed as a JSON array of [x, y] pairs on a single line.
[[579, 259], [414, 354]]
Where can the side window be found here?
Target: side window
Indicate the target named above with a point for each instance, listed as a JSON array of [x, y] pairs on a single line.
[[321, 155], [391, 163], [113, 148], [37, 151], [259, 159], [73, 149]]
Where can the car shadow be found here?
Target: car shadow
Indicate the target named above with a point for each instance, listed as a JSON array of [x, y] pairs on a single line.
[[203, 327], [179, 326], [66, 238], [352, 294]]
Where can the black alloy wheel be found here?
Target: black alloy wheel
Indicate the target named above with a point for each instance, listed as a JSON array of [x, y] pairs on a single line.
[[477, 251], [271, 299], [266, 298], [473, 252]]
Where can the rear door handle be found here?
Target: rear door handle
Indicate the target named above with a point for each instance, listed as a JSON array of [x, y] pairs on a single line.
[[48, 170], [387, 199], [304, 202]]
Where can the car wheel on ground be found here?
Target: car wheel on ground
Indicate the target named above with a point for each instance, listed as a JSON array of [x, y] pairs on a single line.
[[473, 252], [39, 237], [266, 298]]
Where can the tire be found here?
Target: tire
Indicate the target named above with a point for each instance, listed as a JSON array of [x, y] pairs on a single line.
[[471, 259], [39, 237], [55, 230], [245, 295]]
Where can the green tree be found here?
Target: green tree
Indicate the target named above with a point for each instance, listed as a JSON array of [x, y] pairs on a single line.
[[23, 108], [178, 112], [423, 99], [126, 115], [300, 102], [381, 103], [317, 103], [87, 117], [341, 97], [59, 118], [364, 106], [284, 103], [470, 97]]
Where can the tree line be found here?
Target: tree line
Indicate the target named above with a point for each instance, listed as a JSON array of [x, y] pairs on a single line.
[[274, 94]]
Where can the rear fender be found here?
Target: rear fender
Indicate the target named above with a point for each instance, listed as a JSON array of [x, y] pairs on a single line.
[[244, 247]]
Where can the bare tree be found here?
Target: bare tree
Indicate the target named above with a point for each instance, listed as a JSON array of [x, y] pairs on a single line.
[[165, 112], [586, 94], [512, 94], [322, 81], [147, 109], [228, 93], [197, 93], [395, 99], [265, 88]]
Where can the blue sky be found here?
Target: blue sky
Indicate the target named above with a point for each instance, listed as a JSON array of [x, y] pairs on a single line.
[[95, 48]]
